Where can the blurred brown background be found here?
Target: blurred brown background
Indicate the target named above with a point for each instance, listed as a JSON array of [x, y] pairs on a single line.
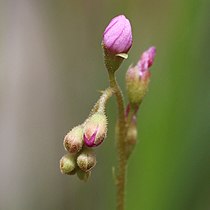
[[51, 67]]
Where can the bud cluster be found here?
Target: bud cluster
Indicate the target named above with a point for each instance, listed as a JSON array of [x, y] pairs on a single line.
[[82, 139], [79, 142]]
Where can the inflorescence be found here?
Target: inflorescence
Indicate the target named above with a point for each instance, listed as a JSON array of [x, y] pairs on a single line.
[[81, 140]]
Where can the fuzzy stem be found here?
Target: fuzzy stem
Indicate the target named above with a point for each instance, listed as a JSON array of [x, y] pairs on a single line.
[[104, 98], [121, 135], [101, 103]]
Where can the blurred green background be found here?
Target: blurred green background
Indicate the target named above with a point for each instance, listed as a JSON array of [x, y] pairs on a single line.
[[51, 68]]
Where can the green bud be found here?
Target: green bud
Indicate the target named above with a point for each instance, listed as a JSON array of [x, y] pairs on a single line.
[[73, 172], [67, 164], [82, 175], [73, 141], [86, 160], [136, 85], [131, 138]]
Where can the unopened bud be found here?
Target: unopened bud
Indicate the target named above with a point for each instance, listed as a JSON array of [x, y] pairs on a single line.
[[73, 141], [86, 159], [82, 175], [147, 60], [95, 129], [67, 164], [117, 40], [138, 77], [131, 137], [136, 85], [73, 172]]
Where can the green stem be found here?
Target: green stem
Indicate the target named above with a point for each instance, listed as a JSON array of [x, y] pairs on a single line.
[[121, 126], [104, 98], [101, 103]]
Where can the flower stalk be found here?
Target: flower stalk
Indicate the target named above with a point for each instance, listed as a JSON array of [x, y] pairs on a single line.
[[121, 135], [81, 141]]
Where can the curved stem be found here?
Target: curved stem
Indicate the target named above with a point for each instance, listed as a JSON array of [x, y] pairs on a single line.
[[121, 135], [101, 103], [104, 98]]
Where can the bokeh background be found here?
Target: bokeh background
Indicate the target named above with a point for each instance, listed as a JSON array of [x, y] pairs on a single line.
[[51, 68]]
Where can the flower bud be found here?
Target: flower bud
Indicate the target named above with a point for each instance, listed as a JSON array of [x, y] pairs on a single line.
[[86, 160], [82, 175], [117, 37], [67, 164], [146, 60], [136, 85], [73, 141], [137, 78], [95, 129], [131, 137], [73, 172], [117, 40]]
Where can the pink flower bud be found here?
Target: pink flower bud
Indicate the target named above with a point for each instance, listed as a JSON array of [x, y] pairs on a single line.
[[137, 77], [95, 129], [146, 60], [117, 37]]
